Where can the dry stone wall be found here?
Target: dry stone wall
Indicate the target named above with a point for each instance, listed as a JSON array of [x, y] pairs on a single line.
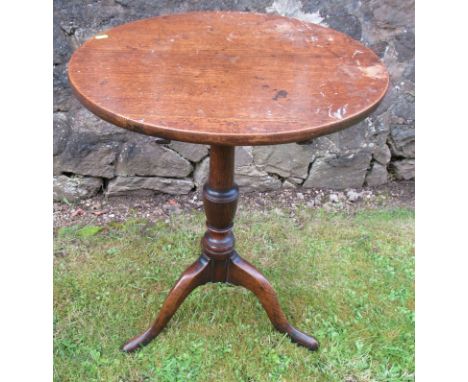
[[92, 156]]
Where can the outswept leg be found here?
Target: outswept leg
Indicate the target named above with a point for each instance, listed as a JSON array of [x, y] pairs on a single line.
[[242, 273], [195, 275]]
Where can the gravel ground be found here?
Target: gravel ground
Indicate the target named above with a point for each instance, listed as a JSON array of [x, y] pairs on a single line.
[[100, 209]]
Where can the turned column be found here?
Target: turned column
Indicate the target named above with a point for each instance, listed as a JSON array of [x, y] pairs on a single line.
[[220, 195]]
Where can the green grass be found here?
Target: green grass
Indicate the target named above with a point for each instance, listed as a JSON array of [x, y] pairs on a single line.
[[348, 279]]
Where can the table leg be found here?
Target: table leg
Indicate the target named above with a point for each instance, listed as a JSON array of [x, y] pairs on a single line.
[[242, 273], [195, 275], [219, 262]]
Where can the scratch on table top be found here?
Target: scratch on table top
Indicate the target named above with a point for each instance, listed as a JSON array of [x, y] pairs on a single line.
[[357, 52], [374, 71], [339, 113]]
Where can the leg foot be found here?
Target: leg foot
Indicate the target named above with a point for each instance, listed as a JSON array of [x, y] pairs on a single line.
[[197, 274], [242, 273]]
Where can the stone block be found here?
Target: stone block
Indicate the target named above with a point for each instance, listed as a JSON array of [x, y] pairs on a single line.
[[289, 160], [403, 169], [151, 159], [123, 185], [75, 188], [339, 172], [190, 151], [377, 175]]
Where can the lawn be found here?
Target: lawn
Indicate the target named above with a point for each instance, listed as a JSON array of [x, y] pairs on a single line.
[[346, 278]]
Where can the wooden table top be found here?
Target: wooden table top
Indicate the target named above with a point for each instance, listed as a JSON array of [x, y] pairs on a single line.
[[227, 78]]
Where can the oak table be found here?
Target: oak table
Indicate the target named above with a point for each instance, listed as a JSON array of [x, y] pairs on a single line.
[[226, 79]]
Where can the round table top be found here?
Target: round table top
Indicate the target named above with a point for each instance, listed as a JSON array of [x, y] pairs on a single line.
[[228, 78]]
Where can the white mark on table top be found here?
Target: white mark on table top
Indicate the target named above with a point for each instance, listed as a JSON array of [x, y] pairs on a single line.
[[284, 27], [231, 36], [374, 71], [339, 113], [357, 51]]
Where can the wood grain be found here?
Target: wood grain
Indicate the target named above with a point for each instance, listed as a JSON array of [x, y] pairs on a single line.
[[227, 78]]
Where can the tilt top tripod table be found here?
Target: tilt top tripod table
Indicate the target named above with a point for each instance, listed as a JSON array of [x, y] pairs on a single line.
[[226, 79]]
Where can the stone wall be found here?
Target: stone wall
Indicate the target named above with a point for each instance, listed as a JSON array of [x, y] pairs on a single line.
[[93, 156]]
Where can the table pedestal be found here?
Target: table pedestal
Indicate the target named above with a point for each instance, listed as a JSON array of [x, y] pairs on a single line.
[[219, 261]]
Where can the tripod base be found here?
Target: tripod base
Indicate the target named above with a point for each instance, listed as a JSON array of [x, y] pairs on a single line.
[[234, 270]]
